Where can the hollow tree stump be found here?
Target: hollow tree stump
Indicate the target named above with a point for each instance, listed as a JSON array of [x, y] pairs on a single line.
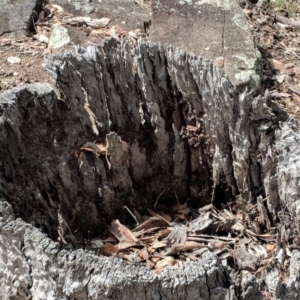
[[140, 102]]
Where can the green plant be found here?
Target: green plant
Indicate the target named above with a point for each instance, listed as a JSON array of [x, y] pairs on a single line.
[[279, 4], [291, 6]]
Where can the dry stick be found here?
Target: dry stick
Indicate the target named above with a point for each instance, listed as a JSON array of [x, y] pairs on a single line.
[[203, 238], [133, 216], [178, 202], [159, 197], [287, 21]]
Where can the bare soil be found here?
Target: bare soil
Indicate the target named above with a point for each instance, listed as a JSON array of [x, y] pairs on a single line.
[[30, 68]]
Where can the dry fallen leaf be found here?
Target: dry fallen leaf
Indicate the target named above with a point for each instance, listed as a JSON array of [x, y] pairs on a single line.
[[166, 217], [161, 264], [155, 259], [270, 247], [159, 244], [128, 257], [125, 237], [276, 64], [108, 249], [143, 253], [152, 222]]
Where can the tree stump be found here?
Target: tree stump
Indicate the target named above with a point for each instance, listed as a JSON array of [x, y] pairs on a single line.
[[131, 121]]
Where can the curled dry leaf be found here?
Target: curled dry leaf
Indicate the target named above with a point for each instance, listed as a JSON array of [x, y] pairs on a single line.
[[125, 237], [161, 264]]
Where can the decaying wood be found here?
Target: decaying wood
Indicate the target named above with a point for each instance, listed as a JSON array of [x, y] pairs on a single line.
[[188, 133]]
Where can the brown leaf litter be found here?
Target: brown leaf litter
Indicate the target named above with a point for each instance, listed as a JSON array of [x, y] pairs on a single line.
[[230, 233]]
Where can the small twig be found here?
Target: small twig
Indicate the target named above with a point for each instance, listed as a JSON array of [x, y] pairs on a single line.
[[61, 237], [125, 207], [255, 205], [158, 197], [33, 23], [208, 238], [178, 202]]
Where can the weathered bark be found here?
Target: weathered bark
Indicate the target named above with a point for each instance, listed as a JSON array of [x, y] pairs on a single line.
[[143, 95]]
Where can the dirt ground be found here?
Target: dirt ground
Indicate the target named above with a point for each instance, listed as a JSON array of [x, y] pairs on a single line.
[[22, 60], [30, 67]]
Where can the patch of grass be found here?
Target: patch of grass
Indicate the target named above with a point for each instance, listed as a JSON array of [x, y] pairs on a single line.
[[292, 7], [279, 4]]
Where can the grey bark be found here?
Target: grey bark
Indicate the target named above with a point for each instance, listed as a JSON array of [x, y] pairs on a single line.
[[17, 17], [142, 94]]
